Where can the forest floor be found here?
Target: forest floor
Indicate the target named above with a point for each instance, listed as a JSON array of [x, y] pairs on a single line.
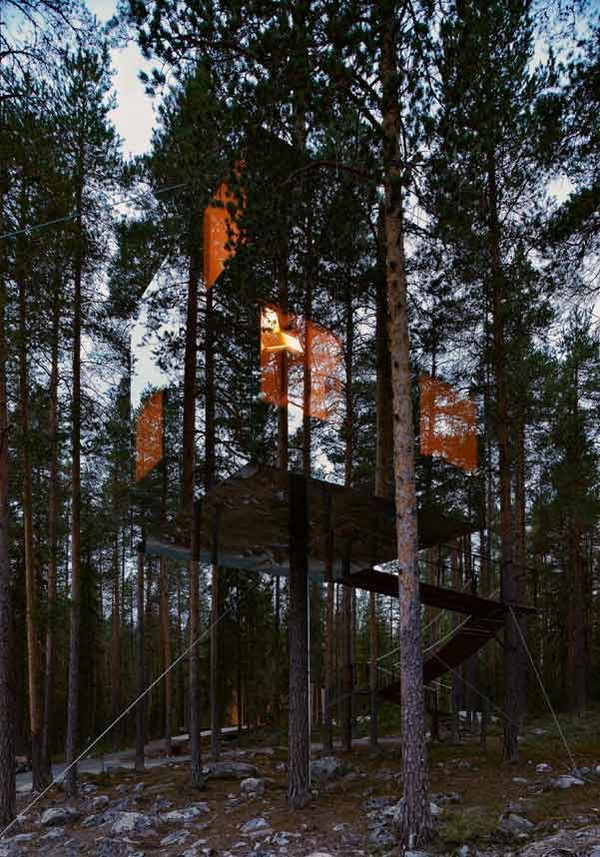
[[538, 807]]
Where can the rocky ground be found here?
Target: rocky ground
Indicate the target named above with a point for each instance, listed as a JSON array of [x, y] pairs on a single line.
[[539, 808]]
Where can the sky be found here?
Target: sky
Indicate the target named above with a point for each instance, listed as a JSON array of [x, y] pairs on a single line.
[[133, 116]]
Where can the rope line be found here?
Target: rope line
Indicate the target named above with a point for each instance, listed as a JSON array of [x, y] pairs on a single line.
[[144, 693], [543, 689]]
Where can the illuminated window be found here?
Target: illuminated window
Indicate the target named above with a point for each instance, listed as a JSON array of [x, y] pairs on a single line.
[[287, 342], [448, 423]]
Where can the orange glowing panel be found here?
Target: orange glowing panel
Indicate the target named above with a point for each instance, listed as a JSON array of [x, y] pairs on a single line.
[[448, 421], [220, 232], [149, 435], [289, 347]]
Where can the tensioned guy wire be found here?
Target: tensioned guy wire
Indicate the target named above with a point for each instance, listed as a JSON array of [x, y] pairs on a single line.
[[62, 775], [27, 230]]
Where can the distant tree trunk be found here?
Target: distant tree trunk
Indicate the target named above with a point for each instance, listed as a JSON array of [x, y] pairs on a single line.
[[53, 515], [115, 642], [75, 618], [189, 459], [415, 827], [209, 478], [298, 731], [513, 663], [347, 621], [40, 771], [165, 636], [576, 678], [383, 467], [140, 713], [456, 678], [7, 683]]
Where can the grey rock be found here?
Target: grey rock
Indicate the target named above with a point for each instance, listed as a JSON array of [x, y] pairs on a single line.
[[253, 786], [380, 837], [187, 815], [176, 838], [513, 823], [130, 822], [89, 788], [463, 851], [55, 815], [326, 769], [53, 833], [319, 854], [417, 854], [253, 824], [230, 770], [543, 768], [99, 802], [566, 782], [260, 834], [442, 798], [107, 847]]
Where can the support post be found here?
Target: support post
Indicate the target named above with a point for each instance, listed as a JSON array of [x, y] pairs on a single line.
[[298, 729]]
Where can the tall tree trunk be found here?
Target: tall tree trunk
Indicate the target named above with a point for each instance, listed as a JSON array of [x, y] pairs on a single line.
[[209, 478], [75, 612], [53, 514], [7, 683], [298, 731], [415, 822], [115, 643], [347, 591], [189, 458], [513, 662], [165, 636], [140, 713], [383, 466], [40, 771]]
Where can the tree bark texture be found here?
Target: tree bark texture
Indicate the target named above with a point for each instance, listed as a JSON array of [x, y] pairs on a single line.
[[140, 712], [298, 728], [415, 827]]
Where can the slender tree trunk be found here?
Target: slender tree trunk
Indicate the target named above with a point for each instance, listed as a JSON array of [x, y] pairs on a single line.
[[140, 713], [7, 682], [53, 514], [209, 478], [456, 678], [40, 771], [115, 643], [189, 457], [75, 617], [298, 731], [415, 821], [347, 591], [513, 663], [165, 635]]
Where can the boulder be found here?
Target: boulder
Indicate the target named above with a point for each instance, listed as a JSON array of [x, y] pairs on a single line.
[[187, 815], [513, 823], [230, 771], [253, 824], [99, 802], [176, 838], [56, 815], [566, 782], [326, 769], [253, 786], [130, 822]]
